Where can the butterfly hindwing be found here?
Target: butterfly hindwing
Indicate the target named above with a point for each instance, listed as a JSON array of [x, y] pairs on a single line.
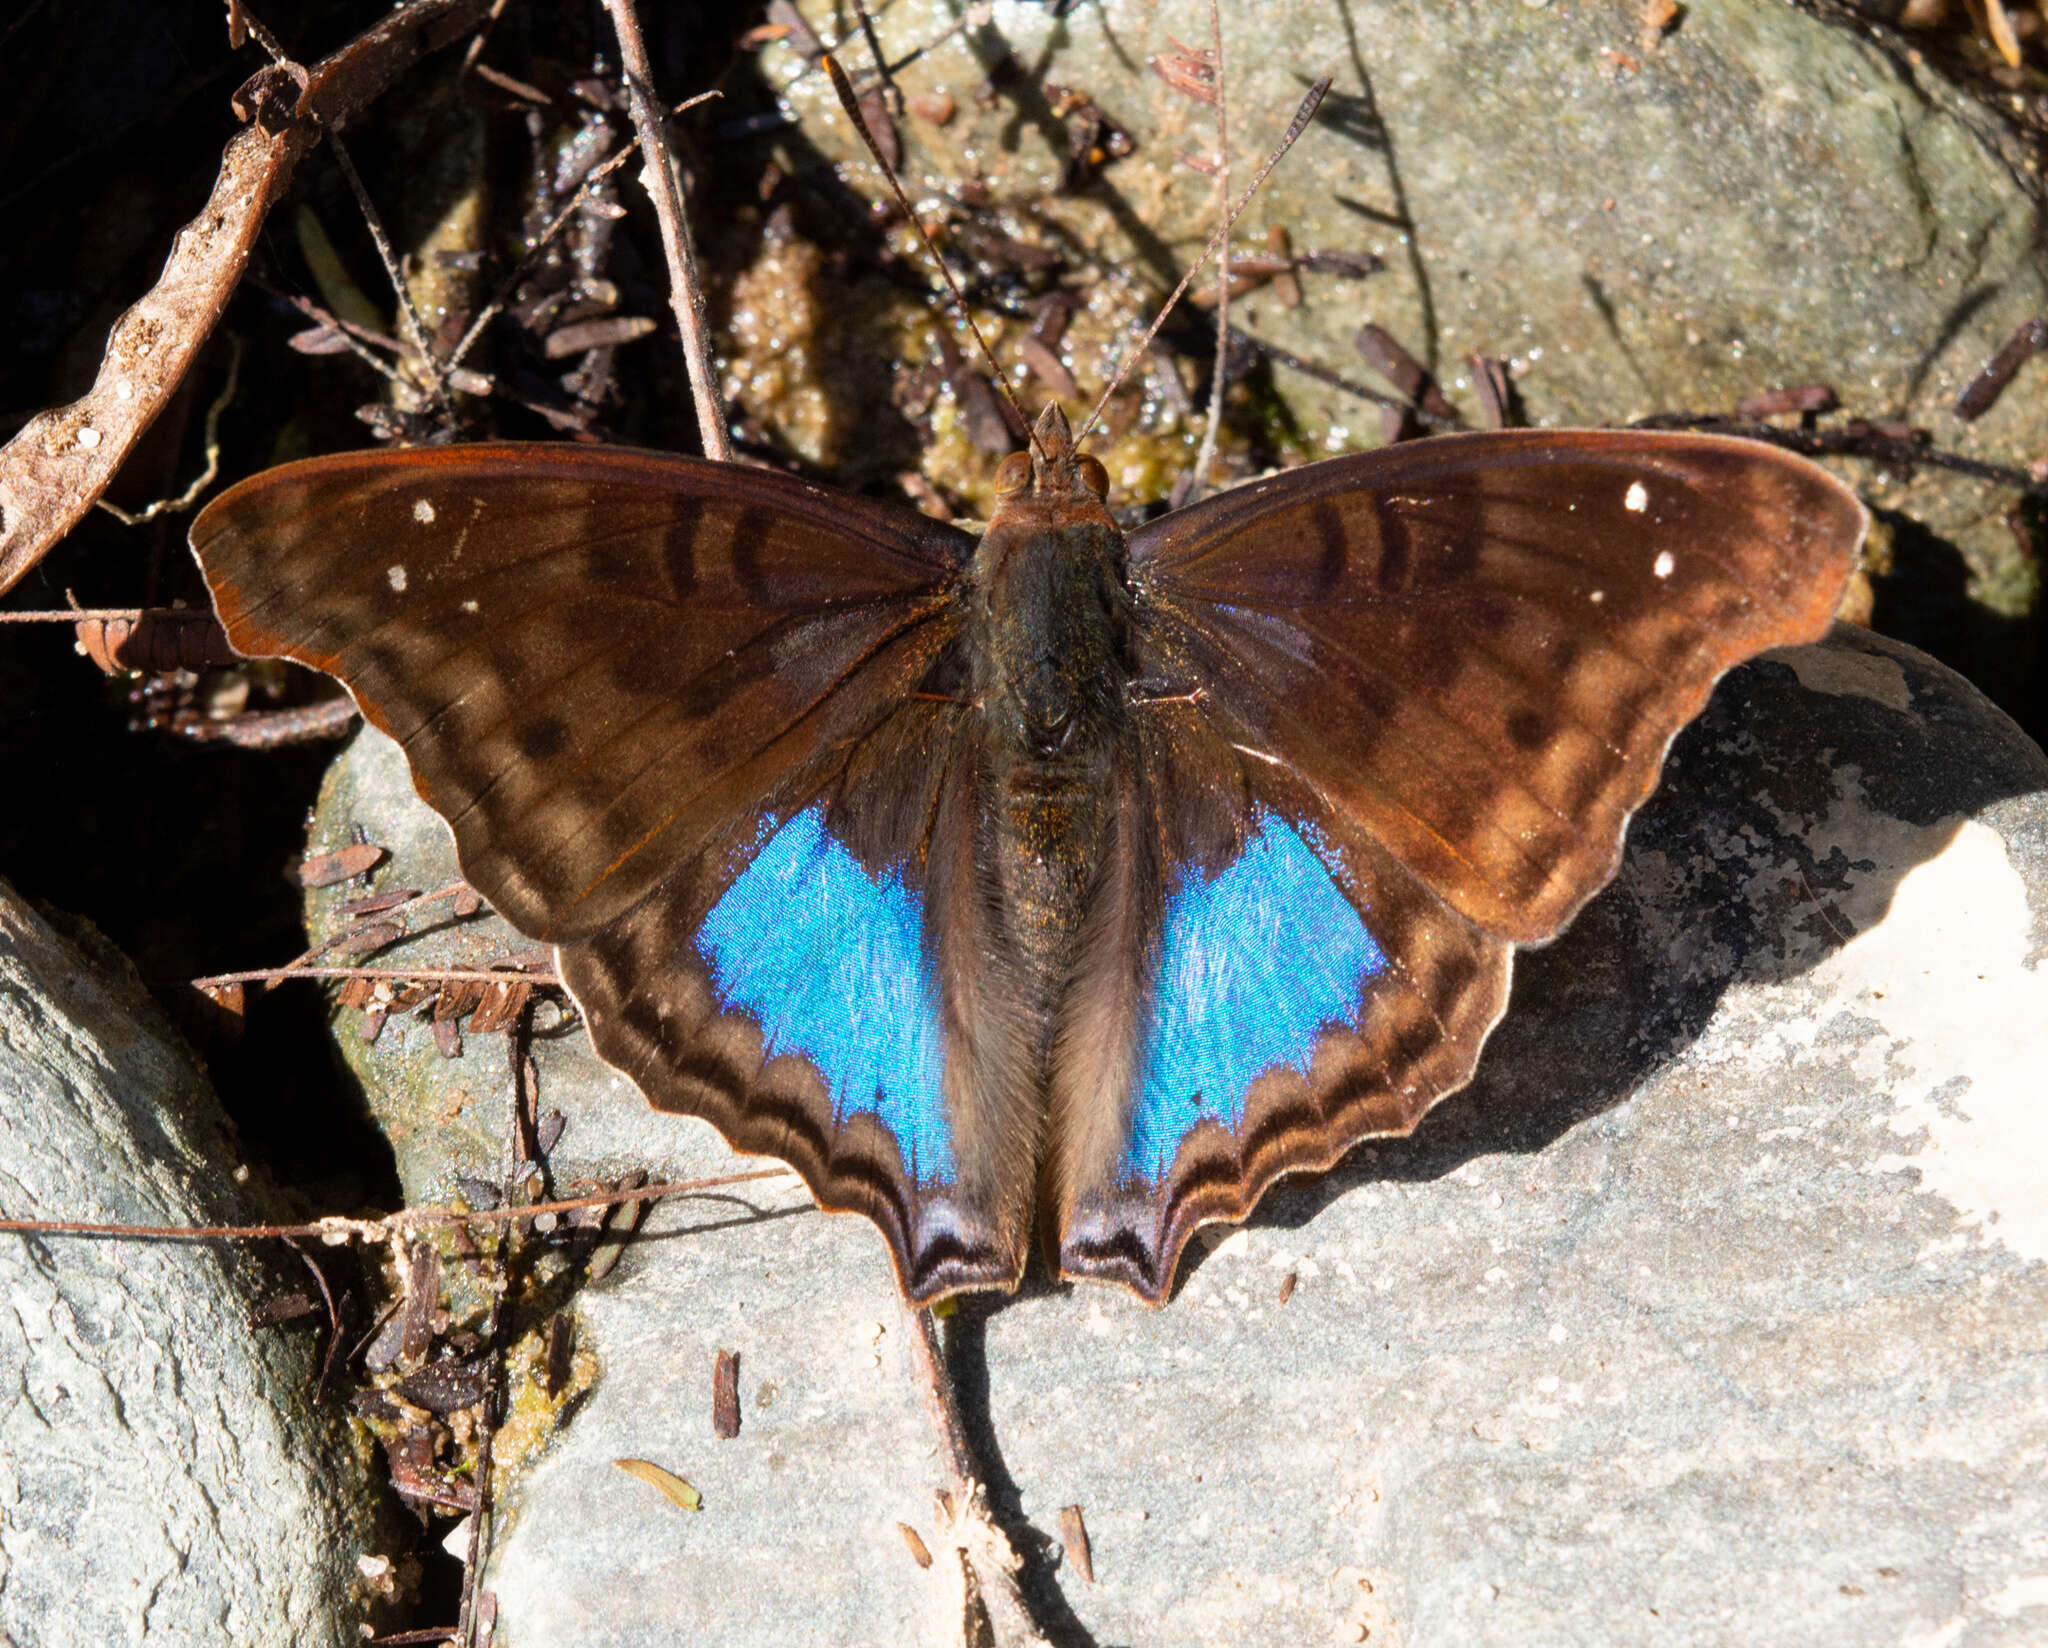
[[692, 724], [1295, 990], [817, 987]]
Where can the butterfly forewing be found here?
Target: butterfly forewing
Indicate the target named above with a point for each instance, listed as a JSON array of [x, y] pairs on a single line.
[[674, 715], [1479, 647], [586, 654]]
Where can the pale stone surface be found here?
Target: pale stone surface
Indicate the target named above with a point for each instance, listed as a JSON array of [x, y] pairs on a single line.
[[1715, 1311], [164, 1476]]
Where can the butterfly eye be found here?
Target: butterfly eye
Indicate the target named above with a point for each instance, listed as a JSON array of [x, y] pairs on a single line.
[[1014, 473], [1094, 477]]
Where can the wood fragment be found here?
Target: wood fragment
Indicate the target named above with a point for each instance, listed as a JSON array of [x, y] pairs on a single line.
[[1983, 391], [1074, 1536], [422, 1281], [607, 333], [560, 1362], [725, 1395], [1287, 1285]]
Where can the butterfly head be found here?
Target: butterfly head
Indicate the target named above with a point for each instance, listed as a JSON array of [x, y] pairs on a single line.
[[1052, 474]]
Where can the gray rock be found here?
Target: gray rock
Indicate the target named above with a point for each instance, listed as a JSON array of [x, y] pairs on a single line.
[[164, 1476], [1714, 1311], [1759, 199]]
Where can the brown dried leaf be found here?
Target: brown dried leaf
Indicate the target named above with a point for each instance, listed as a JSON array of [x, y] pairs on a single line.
[[1049, 368], [874, 114], [500, 1006], [1074, 1535], [1189, 70], [1801, 398], [156, 641], [375, 903], [448, 1038], [920, 1553], [338, 865], [446, 1387], [364, 937]]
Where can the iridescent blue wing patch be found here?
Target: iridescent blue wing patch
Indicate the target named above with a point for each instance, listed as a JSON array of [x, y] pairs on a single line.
[[1254, 965], [833, 963]]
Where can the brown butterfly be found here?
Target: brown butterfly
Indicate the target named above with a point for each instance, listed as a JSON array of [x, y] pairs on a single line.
[[1060, 876]]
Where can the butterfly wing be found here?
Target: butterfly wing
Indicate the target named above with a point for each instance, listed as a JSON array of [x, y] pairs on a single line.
[[1394, 713], [1479, 647], [694, 725]]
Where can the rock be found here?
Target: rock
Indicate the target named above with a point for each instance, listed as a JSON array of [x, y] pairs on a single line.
[[1757, 198], [164, 1474], [1717, 1301]]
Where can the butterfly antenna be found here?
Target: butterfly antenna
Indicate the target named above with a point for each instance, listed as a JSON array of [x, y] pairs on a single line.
[[1295, 127], [1207, 453], [843, 87]]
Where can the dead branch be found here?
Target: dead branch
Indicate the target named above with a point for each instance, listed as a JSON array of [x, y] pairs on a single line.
[[54, 470], [664, 187]]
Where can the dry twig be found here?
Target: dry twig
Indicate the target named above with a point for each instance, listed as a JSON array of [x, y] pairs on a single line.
[[54, 470], [664, 186]]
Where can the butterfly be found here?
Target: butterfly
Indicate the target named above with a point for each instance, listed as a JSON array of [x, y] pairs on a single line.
[[1060, 881]]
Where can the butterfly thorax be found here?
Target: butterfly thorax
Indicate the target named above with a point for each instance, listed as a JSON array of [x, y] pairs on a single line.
[[1051, 604]]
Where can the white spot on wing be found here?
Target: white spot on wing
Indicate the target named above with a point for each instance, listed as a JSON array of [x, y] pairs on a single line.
[[1597, 596], [469, 606], [1636, 499], [423, 512], [397, 576], [1664, 565]]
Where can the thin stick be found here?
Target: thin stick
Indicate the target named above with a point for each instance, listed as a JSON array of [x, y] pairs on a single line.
[[73, 615], [1206, 455], [928, 1358], [1004, 1619], [851, 105], [409, 321], [663, 183], [411, 975], [336, 1231], [892, 94], [186, 499], [1302, 116]]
